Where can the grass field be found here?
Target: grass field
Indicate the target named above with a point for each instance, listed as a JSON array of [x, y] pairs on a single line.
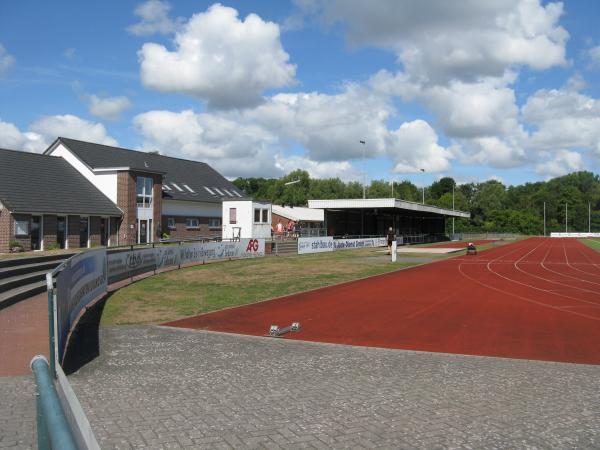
[[594, 243], [195, 290]]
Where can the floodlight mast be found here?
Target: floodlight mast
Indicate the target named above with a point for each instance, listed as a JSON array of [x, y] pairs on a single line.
[[364, 143]]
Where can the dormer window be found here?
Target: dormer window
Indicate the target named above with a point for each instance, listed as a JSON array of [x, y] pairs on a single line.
[[144, 192]]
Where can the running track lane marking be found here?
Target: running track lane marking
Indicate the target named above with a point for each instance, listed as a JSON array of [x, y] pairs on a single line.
[[536, 302]]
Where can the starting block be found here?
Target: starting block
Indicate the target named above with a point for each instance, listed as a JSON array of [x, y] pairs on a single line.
[[275, 331]]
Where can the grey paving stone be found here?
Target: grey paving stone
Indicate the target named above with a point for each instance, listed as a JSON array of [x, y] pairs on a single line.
[[155, 387]]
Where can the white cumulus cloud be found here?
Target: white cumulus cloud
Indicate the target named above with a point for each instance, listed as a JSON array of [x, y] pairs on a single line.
[[440, 40], [108, 108], [564, 119], [218, 57], [414, 146], [44, 131], [560, 163], [154, 18], [6, 60]]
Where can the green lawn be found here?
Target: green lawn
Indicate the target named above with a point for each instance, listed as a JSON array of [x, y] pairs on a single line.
[[194, 290], [594, 243]]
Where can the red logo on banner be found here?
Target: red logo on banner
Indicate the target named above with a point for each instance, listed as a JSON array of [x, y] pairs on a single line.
[[252, 245]]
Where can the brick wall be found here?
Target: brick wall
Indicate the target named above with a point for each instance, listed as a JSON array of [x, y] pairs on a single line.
[[157, 207], [126, 201], [182, 232], [94, 231], [6, 230], [73, 230], [114, 230], [49, 229], [24, 240]]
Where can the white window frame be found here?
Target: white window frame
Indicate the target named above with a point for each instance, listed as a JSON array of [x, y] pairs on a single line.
[[191, 220], [261, 212], [146, 198], [214, 222], [171, 223], [27, 226]]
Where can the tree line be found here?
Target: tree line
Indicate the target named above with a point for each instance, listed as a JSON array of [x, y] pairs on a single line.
[[494, 207]]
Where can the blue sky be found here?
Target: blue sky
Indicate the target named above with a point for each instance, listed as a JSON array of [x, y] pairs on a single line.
[[503, 89]]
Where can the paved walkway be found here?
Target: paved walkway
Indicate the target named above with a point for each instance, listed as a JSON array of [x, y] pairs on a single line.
[[156, 387], [23, 334]]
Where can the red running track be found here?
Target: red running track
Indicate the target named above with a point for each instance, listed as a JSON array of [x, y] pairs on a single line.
[[532, 299], [461, 244]]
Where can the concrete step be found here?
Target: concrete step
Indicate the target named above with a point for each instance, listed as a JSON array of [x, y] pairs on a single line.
[[6, 284], [17, 294], [23, 269], [26, 260], [285, 248]]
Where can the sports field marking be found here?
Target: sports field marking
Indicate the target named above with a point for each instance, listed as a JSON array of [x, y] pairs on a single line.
[[527, 299], [530, 286], [588, 258], [516, 265], [562, 274], [584, 254]]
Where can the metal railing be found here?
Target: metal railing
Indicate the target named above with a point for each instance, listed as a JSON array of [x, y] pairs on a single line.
[[53, 430]]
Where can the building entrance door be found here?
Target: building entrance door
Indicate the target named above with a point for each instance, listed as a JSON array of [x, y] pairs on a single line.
[[104, 231], [61, 231], [36, 232], [144, 231]]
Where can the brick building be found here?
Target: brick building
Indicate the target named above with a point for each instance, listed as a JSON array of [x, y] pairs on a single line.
[[158, 195], [45, 203], [80, 194]]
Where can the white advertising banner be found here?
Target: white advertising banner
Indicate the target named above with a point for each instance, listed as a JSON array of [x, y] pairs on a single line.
[[129, 263], [82, 280], [328, 244], [575, 235], [210, 251], [315, 245], [341, 244]]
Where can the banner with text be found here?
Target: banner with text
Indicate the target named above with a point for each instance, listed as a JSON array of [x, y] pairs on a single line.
[[83, 278], [129, 263], [328, 244], [315, 245], [211, 251], [575, 235]]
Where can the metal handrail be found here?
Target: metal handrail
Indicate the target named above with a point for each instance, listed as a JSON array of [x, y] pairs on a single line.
[[53, 431]]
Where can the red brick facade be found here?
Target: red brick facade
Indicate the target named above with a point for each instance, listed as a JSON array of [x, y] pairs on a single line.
[[5, 230], [49, 230], [182, 232], [126, 202], [73, 231]]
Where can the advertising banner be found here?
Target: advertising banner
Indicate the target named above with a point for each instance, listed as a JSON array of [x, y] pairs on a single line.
[[328, 244], [129, 263], [575, 235], [315, 245], [211, 251], [83, 278], [341, 244]]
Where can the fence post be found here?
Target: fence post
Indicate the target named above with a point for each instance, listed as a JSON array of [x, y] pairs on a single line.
[[51, 336]]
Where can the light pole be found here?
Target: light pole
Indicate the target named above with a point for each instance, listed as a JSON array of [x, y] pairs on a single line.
[[453, 210], [589, 217], [544, 219], [364, 171], [423, 170], [566, 217]]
